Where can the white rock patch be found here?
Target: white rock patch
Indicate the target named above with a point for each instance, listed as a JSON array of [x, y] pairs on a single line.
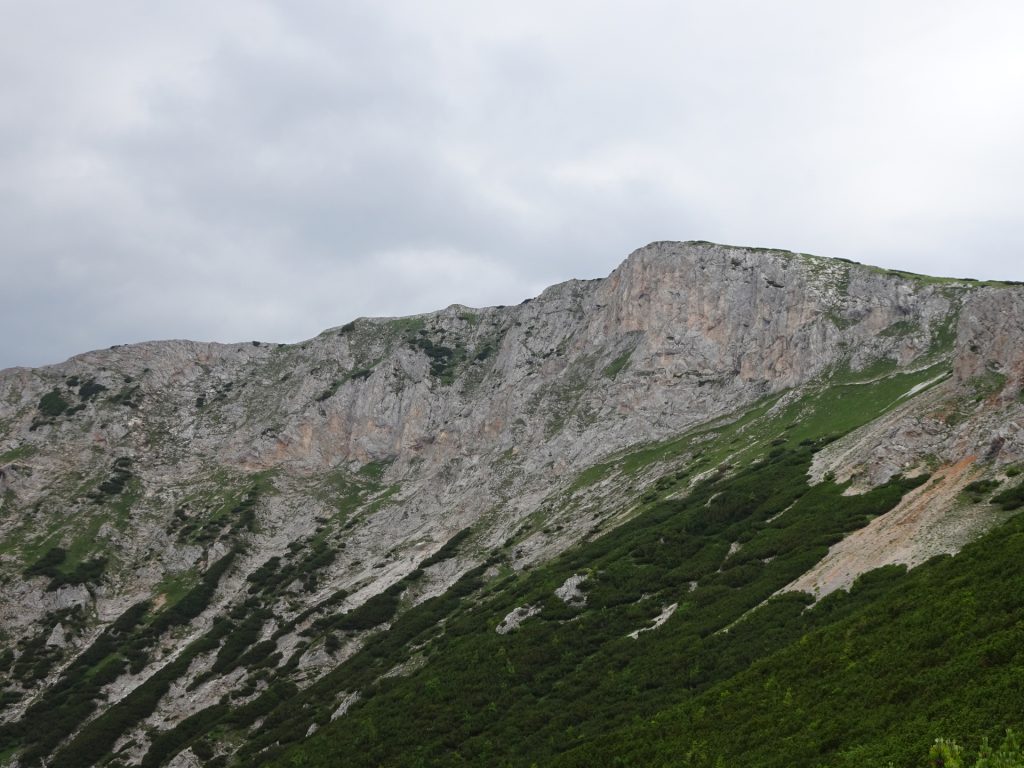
[[343, 707], [660, 619], [570, 593], [516, 617]]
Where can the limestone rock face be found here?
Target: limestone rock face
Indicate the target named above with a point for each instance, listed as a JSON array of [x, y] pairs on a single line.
[[989, 335], [388, 436]]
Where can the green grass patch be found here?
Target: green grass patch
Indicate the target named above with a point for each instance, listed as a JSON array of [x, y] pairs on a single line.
[[406, 326], [943, 332], [374, 470], [383, 498], [21, 452], [991, 382], [175, 586], [840, 409], [590, 476], [615, 366], [900, 329]]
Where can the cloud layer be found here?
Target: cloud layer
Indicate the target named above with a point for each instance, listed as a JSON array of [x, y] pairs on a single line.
[[252, 169]]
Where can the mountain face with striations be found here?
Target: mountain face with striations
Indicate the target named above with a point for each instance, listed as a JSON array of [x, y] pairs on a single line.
[[680, 515]]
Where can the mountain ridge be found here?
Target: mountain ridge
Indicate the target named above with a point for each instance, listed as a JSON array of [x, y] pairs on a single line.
[[401, 454]]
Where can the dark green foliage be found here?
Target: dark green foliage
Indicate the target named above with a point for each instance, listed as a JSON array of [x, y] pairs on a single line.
[[485, 351], [878, 675], [194, 601], [1011, 498], [979, 489], [89, 389], [36, 660], [129, 396], [448, 550], [261, 655], [53, 404], [245, 512], [48, 564], [171, 742], [72, 699], [1009, 754], [264, 576], [275, 696], [319, 557], [114, 485], [86, 572], [443, 360], [376, 610], [99, 735], [329, 392], [347, 328], [290, 713], [237, 641], [234, 518]]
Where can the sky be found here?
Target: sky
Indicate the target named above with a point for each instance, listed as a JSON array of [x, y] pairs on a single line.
[[248, 169]]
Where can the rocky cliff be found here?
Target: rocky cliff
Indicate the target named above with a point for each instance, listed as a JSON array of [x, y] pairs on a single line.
[[403, 452]]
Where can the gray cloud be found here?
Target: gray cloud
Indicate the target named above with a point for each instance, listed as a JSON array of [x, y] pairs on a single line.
[[265, 170]]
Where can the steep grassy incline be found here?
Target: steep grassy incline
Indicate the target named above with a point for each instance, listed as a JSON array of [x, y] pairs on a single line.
[[695, 572]]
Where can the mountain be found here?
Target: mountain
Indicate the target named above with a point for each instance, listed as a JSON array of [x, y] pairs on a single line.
[[664, 518]]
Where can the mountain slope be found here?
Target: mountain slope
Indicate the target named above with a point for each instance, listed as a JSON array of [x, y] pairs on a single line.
[[267, 535]]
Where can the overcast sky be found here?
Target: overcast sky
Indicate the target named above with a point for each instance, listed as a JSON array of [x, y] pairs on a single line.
[[243, 170]]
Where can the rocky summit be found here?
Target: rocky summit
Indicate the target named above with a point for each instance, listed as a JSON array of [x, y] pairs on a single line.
[[551, 534]]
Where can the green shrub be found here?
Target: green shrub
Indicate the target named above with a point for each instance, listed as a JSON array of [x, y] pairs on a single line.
[[53, 404], [129, 396], [1009, 754], [90, 389], [443, 360], [448, 550], [86, 572], [48, 564], [115, 484], [376, 610], [979, 489], [1011, 498]]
